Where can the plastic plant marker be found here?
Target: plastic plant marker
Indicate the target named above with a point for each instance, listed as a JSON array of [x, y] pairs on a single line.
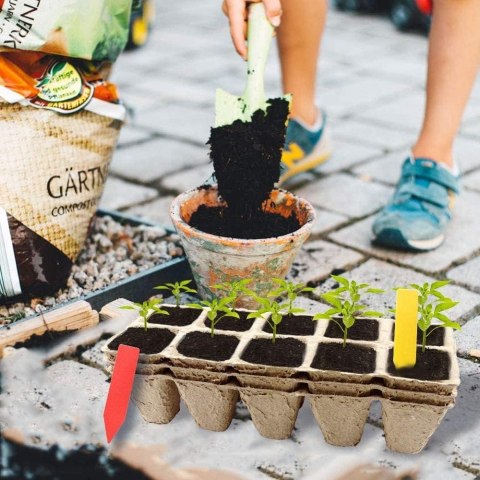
[[123, 375], [406, 318]]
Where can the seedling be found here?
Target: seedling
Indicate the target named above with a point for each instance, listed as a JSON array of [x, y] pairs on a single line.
[[176, 289], [147, 309], [218, 308], [277, 312], [291, 291], [346, 304], [432, 304], [234, 289]]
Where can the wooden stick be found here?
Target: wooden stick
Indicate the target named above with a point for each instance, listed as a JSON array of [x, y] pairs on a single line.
[[71, 317]]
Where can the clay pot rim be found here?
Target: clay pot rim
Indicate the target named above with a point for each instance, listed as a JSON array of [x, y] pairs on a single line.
[[195, 232]]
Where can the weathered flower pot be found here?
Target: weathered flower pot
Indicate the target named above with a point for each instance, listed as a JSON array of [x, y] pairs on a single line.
[[275, 379], [216, 259]]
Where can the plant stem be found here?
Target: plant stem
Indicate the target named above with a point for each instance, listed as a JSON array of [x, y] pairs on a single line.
[[212, 328], [274, 333], [424, 340], [345, 333]]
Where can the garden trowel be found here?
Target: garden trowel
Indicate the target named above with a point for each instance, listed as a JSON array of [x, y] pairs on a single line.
[[247, 141], [228, 107]]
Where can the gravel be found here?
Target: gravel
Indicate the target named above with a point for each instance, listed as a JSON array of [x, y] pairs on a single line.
[[113, 252]]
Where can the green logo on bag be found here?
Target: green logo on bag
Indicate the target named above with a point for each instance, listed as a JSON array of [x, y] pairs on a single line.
[[62, 89]]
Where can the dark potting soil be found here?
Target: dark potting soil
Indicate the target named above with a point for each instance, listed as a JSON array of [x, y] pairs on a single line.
[[294, 325], [204, 346], [246, 157], [85, 462], [351, 359], [241, 324], [224, 222], [285, 352], [363, 329], [435, 339], [178, 317], [433, 365], [152, 340]]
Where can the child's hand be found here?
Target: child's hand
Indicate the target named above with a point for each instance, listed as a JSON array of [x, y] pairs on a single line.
[[236, 11]]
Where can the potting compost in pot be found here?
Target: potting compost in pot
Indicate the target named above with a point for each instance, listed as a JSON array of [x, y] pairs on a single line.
[[273, 379]]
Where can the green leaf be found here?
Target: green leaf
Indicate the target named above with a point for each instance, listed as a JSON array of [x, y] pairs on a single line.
[[162, 287], [439, 284], [332, 300], [372, 313], [445, 306], [322, 316], [232, 314], [254, 315], [195, 305], [348, 321], [375, 290], [297, 310], [341, 280], [128, 307]]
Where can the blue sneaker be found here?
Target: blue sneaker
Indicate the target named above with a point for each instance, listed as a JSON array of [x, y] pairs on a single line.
[[421, 207], [304, 149]]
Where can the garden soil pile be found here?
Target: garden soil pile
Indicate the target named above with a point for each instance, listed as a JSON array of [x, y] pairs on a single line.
[[246, 159], [60, 119]]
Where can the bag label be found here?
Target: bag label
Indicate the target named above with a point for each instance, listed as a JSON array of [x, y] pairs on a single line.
[[62, 89]]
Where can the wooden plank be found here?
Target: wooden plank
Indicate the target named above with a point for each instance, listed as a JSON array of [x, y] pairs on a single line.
[[74, 316]]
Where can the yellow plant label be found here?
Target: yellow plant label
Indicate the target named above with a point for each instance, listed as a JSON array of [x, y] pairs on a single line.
[[405, 343]]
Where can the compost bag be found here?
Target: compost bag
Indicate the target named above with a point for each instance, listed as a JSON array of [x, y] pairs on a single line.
[[88, 29], [59, 121]]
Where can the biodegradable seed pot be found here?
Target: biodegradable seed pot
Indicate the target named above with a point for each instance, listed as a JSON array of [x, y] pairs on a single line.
[[273, 379], [215, 258]]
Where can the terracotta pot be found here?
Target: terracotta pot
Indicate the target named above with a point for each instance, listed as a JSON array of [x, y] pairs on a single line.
[[216, 259]]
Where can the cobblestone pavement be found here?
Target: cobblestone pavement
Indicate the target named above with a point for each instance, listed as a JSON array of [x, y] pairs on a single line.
[[371, 84]]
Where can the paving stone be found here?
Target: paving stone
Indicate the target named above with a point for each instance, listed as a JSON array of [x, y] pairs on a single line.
[[318, 259], [130, 135], [468, 338], [347, 154], [343, 193], [462, 240], [191, 124], [156, 211], [61, 405], [404, 111], [358, 94], [467, 274], [387, 276], [95, 357], [169, 89], [472, 181], [155, 159], [327, 221], [188, 179], [403, 65], [366, 133], [120, 194], [385, 169]]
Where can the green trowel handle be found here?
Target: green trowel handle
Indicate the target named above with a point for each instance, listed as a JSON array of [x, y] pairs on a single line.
[[260, 33]]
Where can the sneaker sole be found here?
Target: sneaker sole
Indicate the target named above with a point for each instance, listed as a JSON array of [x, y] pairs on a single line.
[[394, 239], [320, 154]]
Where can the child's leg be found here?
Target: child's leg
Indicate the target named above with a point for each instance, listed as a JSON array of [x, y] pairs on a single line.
[[421, 208], [453, 61], [307, 144], [299, 37]]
